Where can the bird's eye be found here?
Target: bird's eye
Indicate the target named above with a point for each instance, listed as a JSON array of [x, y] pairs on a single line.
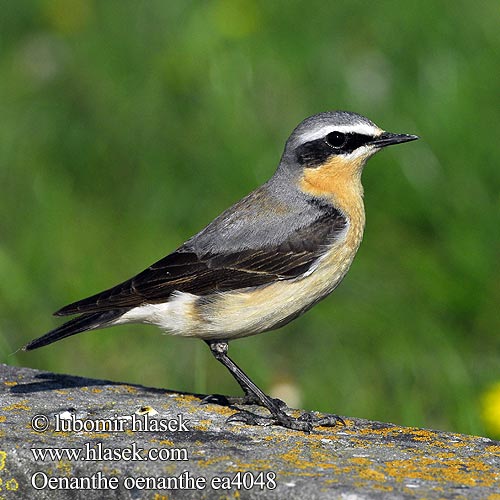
[[336, 139]]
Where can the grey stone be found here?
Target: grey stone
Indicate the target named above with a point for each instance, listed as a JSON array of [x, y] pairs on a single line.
[[363, 460]]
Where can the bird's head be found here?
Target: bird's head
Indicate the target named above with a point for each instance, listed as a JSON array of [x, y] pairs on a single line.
[[327, 151]]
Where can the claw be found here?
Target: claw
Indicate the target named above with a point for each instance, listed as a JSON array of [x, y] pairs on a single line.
[[306, 422], [283, 420], [327, 420], [330, 421], [250, 418]]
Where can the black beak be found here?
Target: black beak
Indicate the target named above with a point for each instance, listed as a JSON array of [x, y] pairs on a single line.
[[388, 138]]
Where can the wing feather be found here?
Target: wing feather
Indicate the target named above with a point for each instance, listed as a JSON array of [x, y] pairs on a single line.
[[185, 270]]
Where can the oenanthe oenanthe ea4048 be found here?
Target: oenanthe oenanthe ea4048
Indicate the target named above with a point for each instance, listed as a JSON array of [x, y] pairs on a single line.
[[262, 262]]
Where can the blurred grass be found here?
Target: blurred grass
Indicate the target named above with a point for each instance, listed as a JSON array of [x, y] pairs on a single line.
[[126, 126]]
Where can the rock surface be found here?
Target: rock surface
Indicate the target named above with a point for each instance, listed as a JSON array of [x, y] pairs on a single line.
[[95, 427]]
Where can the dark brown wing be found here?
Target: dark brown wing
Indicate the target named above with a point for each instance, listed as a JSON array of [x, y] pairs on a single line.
[[186, 271]]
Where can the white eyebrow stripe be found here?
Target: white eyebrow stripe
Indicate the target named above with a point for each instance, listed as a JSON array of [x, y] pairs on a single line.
[[357, 128]]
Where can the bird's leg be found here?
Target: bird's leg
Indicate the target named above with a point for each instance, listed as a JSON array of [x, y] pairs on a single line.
[[278, 416], [250, 397]]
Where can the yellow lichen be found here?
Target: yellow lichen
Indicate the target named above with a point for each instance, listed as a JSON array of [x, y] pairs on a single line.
[[360, 460], [11, 485], [18, 406], [166, 442], [372, 475], [64, 467]]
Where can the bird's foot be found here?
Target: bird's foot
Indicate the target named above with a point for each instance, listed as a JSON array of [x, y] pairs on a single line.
[[248, 399], [325, 420], [306, 422]]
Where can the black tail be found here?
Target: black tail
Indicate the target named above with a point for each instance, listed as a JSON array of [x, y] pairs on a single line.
[[82, 323]]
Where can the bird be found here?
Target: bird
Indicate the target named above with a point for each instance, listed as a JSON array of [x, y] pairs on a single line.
[[261, 263]]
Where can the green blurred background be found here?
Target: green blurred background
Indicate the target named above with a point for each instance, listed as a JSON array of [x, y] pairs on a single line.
[[126, 126]]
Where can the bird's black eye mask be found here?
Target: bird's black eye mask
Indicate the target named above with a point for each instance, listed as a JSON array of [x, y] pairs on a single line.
[[315, 153]]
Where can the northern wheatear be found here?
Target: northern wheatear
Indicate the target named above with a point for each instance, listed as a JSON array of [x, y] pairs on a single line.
[[261, 263]]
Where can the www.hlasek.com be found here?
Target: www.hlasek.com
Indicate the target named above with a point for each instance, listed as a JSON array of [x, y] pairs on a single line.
[[97, 452]]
